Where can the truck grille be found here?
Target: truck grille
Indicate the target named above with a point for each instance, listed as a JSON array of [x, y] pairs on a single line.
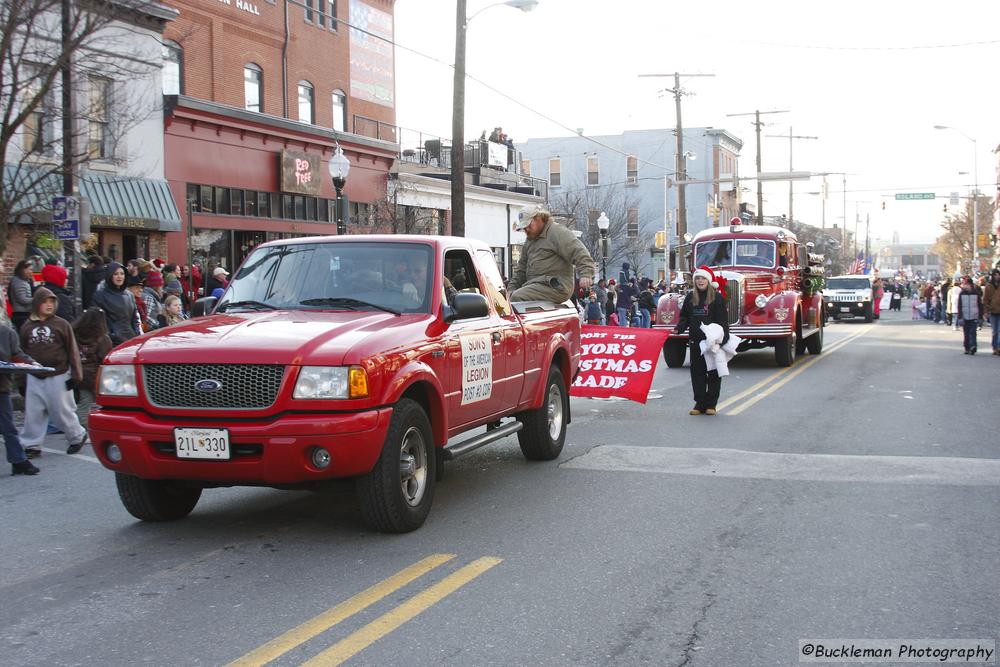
[[243, 386], [734, 301], [844, 297]]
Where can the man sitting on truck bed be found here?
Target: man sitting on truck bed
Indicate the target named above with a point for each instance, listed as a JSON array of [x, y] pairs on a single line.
[[545, 270]]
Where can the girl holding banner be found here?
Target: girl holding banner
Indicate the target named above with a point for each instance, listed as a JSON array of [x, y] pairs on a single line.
[[704, 304]]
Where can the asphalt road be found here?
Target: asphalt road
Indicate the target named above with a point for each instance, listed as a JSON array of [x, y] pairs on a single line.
[[854, 495]]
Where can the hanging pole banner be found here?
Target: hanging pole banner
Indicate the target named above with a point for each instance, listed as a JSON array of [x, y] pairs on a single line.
[[617, 362]]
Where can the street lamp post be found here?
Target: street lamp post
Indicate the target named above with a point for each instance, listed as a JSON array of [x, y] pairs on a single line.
[[975, 194], [458, 109], [339, 166], [602, 224]]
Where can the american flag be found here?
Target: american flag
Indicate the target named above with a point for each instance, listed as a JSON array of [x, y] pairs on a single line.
[[859, 264]]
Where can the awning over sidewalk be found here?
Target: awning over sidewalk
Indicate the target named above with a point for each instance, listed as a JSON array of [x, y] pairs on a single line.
[[120, 202]]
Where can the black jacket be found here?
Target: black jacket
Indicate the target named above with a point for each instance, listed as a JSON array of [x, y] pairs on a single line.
[[693, 316], [66, 308], [91, 278], [119, 309], [647, 300]]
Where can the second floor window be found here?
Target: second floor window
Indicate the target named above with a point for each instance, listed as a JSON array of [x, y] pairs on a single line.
[[593, 177], [339, 110], [253, 79], [173, 69], [632, 170], [632, 223], [306, 106], [37, 126], [98, 118], [555, 174]]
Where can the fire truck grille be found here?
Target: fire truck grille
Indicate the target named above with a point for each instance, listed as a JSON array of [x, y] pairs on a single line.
[[734, 301], [758, 286], [212, 386]]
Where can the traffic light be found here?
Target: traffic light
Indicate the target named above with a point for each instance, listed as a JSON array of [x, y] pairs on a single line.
[[660, 239]]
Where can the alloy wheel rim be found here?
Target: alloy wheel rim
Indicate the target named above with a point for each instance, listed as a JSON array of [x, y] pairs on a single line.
[[555, 411], [413, 466]]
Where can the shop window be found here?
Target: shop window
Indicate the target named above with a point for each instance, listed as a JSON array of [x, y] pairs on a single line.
[[322, 210], [192, 197], [287, 210], [262, 205], [236, 202], [310, 208], [250, 203], [300, 208], [221, 201], [275, 205], [253, 77], [207, 200]]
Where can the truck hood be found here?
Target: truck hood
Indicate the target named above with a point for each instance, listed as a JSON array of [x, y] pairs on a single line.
[[276, 337]]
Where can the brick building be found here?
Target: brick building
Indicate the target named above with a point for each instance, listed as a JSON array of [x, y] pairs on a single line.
[[257, 91]]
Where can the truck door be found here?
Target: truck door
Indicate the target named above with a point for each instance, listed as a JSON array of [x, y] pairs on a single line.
[[475, 363], [510, 327]]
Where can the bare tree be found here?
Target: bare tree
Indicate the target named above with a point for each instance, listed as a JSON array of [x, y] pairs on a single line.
[[98, 44], [626, 239], [389, 216], [954, 246]]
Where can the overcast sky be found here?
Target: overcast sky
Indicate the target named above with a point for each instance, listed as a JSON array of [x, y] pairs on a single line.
[[870, 79]]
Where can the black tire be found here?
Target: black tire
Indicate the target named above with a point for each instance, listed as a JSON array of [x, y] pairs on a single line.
[[544, 432], [396, 496], [800, 345], [673, 353], [784, 350], [868, 313], [154, 499], [815, 342]]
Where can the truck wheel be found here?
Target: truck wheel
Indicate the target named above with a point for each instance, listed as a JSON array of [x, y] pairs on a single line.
[[815, 342], [395, 497], [544, 431], [673, 353], [784, 350], [154, 499], [868, 313]]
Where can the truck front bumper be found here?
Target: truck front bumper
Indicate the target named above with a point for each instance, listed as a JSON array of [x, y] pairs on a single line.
[[847, 308], [264, 453]]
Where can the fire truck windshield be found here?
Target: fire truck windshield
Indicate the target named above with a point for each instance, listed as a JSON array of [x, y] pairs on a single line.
[[748, 252], [714, 253]]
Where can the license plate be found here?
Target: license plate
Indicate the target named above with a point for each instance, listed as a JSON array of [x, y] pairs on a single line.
[[202, 443], [845, 309]]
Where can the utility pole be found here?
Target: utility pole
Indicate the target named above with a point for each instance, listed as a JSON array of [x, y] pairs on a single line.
[[66, 72], [791, 183], [680, 164], [458, 126], [760, 185]]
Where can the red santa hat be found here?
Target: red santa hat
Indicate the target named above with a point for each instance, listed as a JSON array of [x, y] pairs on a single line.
[[718, 282]]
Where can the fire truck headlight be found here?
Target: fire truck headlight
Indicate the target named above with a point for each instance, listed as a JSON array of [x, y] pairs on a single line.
[[760, 301]]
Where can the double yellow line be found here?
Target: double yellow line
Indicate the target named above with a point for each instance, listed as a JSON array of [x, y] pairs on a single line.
[[749, 397], [381, 626]]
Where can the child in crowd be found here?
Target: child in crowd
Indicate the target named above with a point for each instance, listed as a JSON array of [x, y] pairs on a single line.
[[49, 340], [91, 331], [17, 457]]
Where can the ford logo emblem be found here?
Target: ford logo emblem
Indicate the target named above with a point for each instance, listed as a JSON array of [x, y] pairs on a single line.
[[208, 386]]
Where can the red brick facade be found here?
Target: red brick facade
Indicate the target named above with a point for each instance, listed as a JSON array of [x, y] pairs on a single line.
[[218, 39]]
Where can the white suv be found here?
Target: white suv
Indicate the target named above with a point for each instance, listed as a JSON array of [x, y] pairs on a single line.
[[848, 296]]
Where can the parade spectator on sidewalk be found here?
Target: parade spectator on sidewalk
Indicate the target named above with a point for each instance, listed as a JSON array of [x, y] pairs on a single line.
[[19, 293], [991, 306], [152, 295], [54, 278], [970, 308], [91, 331], [952, 309], [91, 277], [50, 341], [172, 312], [703, 305], [17, 457], [118, 306]]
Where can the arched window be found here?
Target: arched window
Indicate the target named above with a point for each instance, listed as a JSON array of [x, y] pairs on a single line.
[[339, 110], [307, 106], [253, 82], [173, 68]]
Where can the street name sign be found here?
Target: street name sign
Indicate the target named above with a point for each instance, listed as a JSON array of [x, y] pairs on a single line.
[[908, 196]]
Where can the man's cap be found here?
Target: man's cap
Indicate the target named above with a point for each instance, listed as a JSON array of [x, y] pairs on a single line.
[[219, 271], [526, 215]]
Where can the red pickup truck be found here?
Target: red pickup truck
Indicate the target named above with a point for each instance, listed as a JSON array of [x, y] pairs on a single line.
[[337, 357]]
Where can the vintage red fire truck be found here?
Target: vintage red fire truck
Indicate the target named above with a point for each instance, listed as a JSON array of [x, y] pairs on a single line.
[[772, 295], [337, 357]]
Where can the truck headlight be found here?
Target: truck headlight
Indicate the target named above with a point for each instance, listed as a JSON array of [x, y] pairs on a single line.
[[760, 301], [326, 382], [117, 380]]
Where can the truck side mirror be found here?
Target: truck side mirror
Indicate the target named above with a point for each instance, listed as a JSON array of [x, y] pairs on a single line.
[[467, 306]]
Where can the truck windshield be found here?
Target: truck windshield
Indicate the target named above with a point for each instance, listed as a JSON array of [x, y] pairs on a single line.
[[755, 252], [848, 283], [714, 253], [394, 277]]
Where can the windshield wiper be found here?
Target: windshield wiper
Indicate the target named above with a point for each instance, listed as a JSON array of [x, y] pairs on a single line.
[[257, 305], [348, 302]]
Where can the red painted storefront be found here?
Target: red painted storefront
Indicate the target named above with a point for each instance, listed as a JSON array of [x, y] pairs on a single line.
[[229, 162]]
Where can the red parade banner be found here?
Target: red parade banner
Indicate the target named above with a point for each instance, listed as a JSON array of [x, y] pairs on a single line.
[[617, 361]]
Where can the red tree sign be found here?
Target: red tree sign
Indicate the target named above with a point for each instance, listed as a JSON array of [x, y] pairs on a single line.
[[616, 361]]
